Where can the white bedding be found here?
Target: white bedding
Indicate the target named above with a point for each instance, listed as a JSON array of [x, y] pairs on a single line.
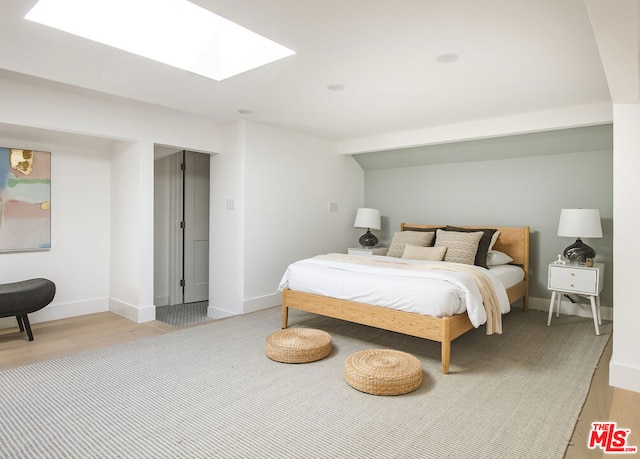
[[509, 275], [434, 293]]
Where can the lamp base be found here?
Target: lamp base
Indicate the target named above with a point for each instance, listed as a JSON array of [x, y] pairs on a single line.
[[368, 239], [578, 252]]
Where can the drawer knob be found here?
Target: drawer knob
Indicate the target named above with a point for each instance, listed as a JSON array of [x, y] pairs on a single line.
[[572, 285], [573, 274]]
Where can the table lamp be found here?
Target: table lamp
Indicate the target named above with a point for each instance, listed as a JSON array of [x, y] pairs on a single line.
[[368, 218], [579, 223]]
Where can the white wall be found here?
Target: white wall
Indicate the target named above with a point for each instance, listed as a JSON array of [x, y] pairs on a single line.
[[102, 193], [281, 183], [290, 178], [40, 106], [625, 361], [132, 231], [226, 228], [80, 201]]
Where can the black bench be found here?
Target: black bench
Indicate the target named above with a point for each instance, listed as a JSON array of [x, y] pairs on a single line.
[[21, 298]]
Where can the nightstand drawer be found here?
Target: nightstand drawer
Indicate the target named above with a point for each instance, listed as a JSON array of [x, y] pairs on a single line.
[[589, 275], [573, 285], [573, 280], [580, 280]]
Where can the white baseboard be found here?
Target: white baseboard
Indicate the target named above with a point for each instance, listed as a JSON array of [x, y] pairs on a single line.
[[133, 313], [56, 311], [571, 309], [217, 313], [624, 376], [250, 305], [262, 302]]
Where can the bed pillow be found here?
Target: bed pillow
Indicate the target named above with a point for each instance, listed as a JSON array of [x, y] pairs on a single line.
[[413, 252], [495, 258], [402, 238], [483, 246], [461, 245], [494, 238]]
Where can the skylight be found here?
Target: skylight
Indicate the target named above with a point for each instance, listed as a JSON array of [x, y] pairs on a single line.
[[175, 32]]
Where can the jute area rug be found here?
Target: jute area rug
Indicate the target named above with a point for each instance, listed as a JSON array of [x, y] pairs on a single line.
[[210, 392]]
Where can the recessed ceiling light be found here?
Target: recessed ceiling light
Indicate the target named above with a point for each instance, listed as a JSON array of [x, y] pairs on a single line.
[[175, 32], [447, 58], [335, 87], [245, 111]]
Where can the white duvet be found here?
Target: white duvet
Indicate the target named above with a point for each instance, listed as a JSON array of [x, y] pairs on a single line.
[[434, 293]]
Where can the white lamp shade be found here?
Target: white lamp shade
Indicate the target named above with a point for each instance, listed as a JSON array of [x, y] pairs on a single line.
[[367, 218], [580, 223]]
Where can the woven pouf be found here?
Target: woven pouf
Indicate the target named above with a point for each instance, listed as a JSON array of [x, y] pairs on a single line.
[[383, 372], [298, 345]]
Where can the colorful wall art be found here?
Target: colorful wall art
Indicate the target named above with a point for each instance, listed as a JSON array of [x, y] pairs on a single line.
[[25, 200]]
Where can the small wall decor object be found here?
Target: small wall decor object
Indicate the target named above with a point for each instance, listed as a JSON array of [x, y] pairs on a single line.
[[368, 218], [579, 223], [25, 199]]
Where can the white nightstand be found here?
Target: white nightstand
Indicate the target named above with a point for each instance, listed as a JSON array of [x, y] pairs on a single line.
[[581, 280], [367, 252]]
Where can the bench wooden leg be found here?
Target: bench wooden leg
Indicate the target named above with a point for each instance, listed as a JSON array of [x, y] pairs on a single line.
[[19, 319], [27, 326]]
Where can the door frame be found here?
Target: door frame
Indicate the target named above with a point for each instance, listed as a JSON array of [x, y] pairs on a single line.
[[176, 251]]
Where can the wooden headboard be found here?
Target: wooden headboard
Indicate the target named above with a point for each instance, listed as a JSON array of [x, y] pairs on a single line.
[[512, 241]]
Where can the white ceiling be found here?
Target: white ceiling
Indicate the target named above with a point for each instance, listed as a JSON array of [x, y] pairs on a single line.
[[515, 57]]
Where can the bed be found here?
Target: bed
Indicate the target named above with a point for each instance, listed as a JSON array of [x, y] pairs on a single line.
[[513, 241]]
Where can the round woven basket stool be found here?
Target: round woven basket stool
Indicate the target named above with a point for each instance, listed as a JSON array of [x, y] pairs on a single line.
[[298, 345], [383, 372]]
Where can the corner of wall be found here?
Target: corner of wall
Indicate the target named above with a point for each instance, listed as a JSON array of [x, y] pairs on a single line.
[[135, 314], [624, 376], [262, 302]]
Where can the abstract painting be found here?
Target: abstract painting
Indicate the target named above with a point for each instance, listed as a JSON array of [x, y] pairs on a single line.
[[25, 200]]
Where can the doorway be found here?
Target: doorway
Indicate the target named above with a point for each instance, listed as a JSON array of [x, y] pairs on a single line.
[[181, 233], [195, 227]]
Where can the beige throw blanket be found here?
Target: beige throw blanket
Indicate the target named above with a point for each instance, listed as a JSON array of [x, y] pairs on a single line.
[[489, 297]]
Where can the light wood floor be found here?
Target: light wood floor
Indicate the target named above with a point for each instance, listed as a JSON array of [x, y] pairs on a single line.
[[607, 404], [58, 338], [78, 334]]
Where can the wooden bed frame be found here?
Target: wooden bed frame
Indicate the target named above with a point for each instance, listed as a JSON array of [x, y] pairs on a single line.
[[512, 241]]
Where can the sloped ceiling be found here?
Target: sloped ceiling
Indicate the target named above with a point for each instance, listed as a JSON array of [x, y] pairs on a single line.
[[554, 142]]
